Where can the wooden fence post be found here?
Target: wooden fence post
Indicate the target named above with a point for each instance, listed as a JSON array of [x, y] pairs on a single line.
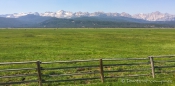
[[101, 70], [152, 66], [39, 73]]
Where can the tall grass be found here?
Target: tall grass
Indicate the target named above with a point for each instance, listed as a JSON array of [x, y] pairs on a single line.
[[72, 44], [77, 44]]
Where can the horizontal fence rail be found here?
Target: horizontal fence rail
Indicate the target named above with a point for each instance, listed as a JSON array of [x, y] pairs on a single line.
[[9, 63], [82, 70]]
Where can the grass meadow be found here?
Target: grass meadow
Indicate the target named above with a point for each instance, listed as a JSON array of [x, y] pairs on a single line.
[[77, 44]]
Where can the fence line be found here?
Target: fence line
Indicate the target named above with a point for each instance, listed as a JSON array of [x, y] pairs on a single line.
[[101, 69], [153, 67], [18, 76], [163, 56], [8, 63]]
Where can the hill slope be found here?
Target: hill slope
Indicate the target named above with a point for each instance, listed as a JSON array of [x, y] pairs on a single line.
[[36, 21]]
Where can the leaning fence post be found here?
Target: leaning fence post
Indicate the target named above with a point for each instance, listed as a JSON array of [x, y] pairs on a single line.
[[101, 70], [39, 73], [152, 66]]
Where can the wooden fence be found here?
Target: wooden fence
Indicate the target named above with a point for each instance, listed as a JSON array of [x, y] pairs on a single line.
[[82, 70]]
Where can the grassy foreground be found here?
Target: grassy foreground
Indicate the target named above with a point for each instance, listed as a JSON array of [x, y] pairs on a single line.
[[72, 44], [78, 44]]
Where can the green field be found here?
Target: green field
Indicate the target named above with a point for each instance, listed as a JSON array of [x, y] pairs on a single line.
[[78, 44]]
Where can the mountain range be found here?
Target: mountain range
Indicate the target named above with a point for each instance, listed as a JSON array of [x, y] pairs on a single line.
[[85, 19], [154, 16]]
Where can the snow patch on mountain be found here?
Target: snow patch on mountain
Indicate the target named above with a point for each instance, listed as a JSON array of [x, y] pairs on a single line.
[[154, 16]]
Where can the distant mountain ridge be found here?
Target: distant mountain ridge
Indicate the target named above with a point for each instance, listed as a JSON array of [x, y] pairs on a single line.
[[66, 19], [154, 16], [37, 21]]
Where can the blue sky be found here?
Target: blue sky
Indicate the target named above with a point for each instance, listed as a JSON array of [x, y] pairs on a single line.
[[128, 6]]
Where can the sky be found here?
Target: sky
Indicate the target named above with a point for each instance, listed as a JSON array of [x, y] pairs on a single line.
[[119, 6]]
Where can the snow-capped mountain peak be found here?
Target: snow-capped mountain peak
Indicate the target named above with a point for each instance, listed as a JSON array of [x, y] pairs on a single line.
[[154, 16]]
